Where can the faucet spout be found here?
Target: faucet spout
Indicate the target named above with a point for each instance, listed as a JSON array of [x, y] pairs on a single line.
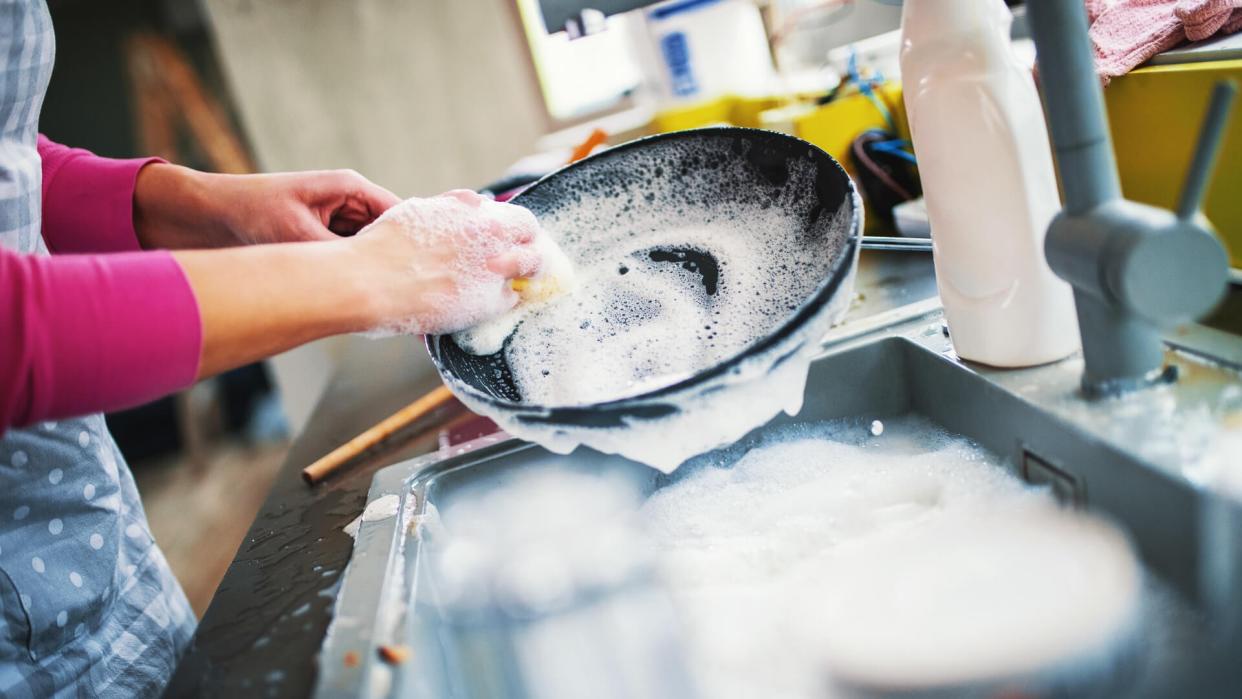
[[1075, 104]]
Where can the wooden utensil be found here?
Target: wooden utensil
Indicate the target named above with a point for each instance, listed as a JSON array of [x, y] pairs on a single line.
[[382, 430]]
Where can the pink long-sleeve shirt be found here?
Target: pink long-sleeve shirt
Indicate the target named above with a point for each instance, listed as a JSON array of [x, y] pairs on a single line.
[[86, 332]]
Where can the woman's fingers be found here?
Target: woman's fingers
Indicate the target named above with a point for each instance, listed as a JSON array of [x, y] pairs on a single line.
[[468, 197], [362, 201], [376, 198], [351, 217], [350, 186], [525, 234], [516, 263]]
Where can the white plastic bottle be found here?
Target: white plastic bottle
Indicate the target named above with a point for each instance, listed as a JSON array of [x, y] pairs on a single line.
[[983, 155]]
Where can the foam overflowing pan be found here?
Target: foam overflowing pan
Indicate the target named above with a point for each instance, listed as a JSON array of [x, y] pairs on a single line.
[[710, 265]]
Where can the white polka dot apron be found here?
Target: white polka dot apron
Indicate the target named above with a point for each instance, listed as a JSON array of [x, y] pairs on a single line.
[[88, 606]]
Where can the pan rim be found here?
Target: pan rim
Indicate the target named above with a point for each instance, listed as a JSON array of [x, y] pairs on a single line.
[[806, 310]]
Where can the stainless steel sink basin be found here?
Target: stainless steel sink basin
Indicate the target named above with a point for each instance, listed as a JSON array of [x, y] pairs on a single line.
[[1132, 459]]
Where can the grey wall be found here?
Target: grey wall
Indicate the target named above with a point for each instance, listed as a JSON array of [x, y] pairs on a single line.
[[419, 95]]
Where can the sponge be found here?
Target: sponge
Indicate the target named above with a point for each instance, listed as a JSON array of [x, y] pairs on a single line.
[[554, 279]]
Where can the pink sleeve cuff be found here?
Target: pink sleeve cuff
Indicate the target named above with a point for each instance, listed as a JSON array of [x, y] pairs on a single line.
[[88, 201], [94, 333]]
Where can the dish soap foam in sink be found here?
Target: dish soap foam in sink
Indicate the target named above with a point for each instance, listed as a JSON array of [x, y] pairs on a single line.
[[982, 146]]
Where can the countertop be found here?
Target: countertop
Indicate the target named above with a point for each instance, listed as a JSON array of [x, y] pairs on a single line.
[[262, 632]]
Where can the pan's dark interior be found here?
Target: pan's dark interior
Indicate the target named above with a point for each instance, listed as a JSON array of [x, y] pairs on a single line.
[[682, 173]]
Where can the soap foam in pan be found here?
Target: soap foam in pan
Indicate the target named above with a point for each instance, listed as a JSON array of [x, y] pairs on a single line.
[[671, 289]]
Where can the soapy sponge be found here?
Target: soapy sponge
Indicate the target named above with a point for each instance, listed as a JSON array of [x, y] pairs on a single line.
[[554, 279]]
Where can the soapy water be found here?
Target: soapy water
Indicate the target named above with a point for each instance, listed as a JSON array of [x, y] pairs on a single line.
[[534, 540], [822, 559], [672, 289], [904, 560], [650, 315], [1191, 427], [658, 301]]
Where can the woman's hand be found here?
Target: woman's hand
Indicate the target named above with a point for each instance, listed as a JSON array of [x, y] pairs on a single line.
[[176, 207], [444, 263], [434, 265]]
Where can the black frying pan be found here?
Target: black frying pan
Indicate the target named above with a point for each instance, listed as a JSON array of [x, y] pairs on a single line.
[[682, 175]]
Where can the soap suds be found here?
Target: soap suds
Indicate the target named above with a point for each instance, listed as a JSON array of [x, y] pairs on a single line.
[[819, 560], [639, 323], [901, 561], [534, 541], [669, 288], [352, 528], [381, 508]]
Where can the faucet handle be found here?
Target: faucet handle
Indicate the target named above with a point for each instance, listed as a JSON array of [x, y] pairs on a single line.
[[1175, 270], [1207, 149]]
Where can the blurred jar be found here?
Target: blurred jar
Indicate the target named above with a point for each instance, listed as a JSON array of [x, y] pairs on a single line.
[[701, 49]]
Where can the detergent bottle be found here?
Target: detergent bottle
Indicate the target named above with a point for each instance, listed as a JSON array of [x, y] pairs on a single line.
[[984, 159]]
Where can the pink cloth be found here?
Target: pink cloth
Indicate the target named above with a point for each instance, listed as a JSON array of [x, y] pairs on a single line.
[[1126, 33], [1203, 18], [88, 333]]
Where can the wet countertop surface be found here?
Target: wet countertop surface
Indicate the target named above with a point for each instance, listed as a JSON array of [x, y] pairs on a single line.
[[262, 633]]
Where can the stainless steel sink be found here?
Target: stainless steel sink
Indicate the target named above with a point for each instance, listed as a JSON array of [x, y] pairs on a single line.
[[1130, 458]]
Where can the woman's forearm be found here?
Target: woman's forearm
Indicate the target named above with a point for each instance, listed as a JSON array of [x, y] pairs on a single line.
[[258, 301], [175, 208]]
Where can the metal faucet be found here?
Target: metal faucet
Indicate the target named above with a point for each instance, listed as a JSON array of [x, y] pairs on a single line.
[[1136, 269]]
